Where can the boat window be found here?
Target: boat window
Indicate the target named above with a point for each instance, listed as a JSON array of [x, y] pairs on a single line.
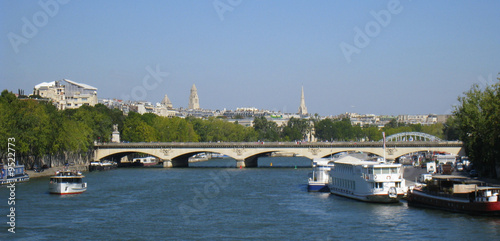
[[394, 170], [398, 184], [381, 171]]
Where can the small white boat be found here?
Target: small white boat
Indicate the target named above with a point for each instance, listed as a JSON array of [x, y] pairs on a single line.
[[102, 166], [67, 182], [320, 175], [146, 161], [369, 181]]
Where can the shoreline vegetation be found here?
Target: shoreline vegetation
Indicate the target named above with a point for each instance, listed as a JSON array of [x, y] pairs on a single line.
[[47, 136]]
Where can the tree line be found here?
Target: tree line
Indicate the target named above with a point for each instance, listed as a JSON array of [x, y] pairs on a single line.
[[40, 129], [477, 123]]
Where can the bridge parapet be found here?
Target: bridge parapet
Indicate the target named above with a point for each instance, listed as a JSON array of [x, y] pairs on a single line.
[[274, 144]]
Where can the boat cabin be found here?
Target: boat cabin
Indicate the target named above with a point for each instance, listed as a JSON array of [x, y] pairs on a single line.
[[463, 187]]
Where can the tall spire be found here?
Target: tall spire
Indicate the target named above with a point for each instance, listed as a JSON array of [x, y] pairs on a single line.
[[194, 101], [302, 107], [166, 102]]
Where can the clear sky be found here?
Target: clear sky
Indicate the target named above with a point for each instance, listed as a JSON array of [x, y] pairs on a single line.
[[380, 57]]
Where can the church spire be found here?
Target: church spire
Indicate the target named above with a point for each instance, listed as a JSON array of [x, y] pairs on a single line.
[[194, 101], [302, 107]]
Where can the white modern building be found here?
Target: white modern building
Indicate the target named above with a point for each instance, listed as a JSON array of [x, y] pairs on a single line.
[[67, 94]]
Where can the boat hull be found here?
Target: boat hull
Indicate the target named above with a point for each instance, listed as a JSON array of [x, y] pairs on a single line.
[[318, 188], [64, 189], [422, 199], [149, 164], [373, 198], [23, 178]]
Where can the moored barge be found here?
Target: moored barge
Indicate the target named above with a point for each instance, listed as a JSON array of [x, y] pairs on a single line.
[[457, 194]]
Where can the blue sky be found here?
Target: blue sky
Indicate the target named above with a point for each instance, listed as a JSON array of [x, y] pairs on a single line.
[[417, 58]]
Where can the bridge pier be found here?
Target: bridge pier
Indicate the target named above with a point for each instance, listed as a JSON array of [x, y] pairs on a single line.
[[167, 163], [175, 163], [240, 163], [248, 162]]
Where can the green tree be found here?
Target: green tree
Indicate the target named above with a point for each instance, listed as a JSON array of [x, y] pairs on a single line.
[[174, 129], [295, 129], [266, 130], [135, 129], [324, 129], [74, 136], [478, 118], [451, 129], [372, 133], [31, 127]]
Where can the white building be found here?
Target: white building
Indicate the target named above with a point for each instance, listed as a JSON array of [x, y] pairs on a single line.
[[418, 119], [67, 94]]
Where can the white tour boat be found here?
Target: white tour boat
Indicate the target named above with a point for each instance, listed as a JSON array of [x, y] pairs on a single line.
[[67, 182], [146, 161], [369, 181], [318, 178]]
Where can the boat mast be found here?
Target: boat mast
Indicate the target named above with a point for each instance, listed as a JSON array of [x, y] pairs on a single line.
[[383, 134]]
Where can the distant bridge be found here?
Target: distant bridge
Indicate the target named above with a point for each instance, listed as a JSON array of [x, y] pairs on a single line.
[[247, 153], [412, 136]]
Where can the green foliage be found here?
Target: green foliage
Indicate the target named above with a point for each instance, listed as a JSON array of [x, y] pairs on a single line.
[[338, 130], [295, 129], [216, 129], [478, 121], [174, 129], [266, 130], [342, 130]]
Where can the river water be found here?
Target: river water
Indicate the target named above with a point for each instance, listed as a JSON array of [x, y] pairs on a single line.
[[212, 203]]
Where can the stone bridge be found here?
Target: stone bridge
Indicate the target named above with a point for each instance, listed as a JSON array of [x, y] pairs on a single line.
[[247, 153]]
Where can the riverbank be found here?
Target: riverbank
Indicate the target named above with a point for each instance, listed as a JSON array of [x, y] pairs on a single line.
[[51, 171]]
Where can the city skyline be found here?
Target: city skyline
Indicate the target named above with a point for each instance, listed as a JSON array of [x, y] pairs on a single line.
[[388, 57]]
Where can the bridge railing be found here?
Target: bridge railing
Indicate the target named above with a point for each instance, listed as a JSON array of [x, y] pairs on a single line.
[[273, 144]]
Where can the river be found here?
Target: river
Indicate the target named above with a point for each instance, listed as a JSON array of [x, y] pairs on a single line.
[[209, 202]]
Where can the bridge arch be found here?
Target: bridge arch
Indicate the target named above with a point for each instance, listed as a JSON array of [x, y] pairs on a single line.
[[412, 136], [182, 159], [350, 151], [118, 155]]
